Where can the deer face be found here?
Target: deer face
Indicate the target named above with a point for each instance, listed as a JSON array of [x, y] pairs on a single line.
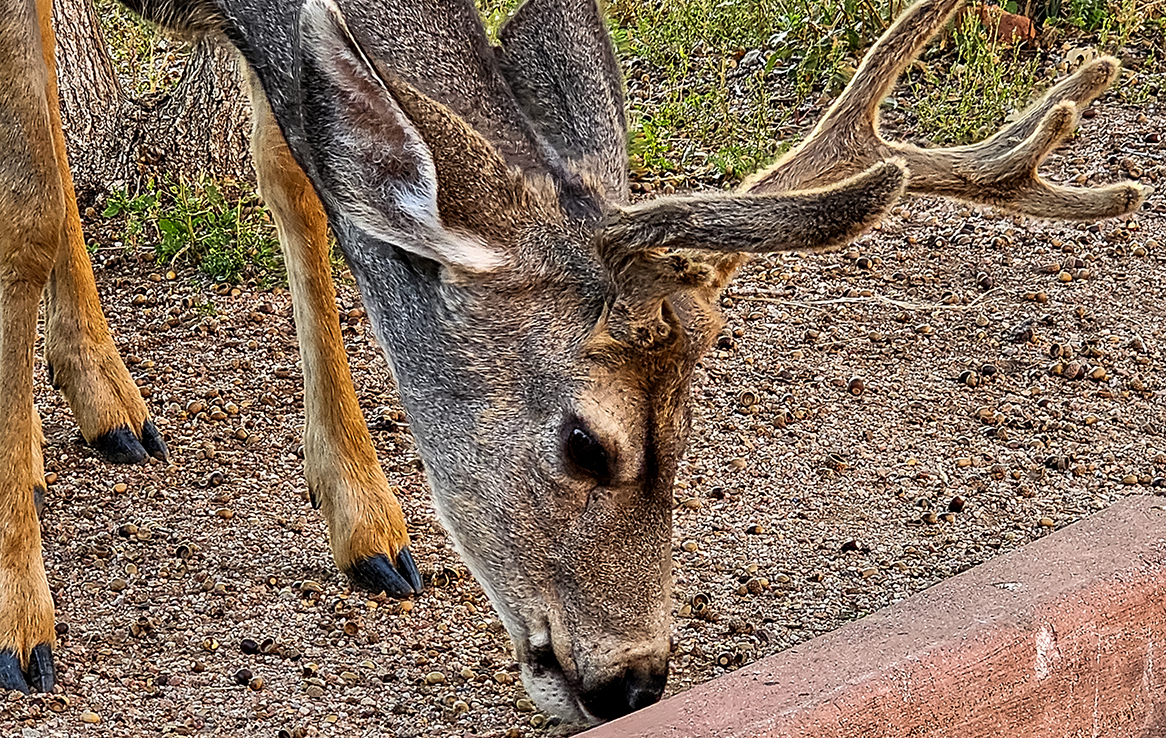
[[551, 454], [543, 342]]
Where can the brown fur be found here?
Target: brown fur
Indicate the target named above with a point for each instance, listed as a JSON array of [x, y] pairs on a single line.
[[344, 476], [33, 209], [86, 366]]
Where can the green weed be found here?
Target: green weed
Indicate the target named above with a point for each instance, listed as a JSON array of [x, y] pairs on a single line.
[[1114, 22], [971, 98], [227, 236], [146, 60]]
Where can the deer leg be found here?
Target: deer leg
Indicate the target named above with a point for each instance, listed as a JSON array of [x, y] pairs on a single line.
[[32, 209], [345, 480], [82, 359]]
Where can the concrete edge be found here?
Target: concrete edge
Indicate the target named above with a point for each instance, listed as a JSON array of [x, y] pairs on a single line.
[[1062, 637]]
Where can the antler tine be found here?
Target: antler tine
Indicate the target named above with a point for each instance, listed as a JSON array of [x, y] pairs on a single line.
[[846, 140], [1000, 171], [656, 248]]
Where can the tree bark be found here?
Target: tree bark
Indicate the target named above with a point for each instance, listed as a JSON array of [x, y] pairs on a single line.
[[200, 127]]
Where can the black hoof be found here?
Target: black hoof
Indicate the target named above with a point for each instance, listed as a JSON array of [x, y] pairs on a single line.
[[122, 445], [153, 443], [378, 575], [37, 677]]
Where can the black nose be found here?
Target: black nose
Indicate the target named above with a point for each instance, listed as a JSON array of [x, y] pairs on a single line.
[[638, 686]]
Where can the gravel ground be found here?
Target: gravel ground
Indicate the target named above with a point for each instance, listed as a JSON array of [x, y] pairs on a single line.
[[956, 384]]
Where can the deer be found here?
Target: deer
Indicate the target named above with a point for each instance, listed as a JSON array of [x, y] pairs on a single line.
[[541, 329]]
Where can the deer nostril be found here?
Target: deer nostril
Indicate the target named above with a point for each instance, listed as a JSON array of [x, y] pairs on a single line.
[[637, 687]]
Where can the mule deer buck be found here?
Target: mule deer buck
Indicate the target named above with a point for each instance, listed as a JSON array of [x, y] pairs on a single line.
[[542, 332]]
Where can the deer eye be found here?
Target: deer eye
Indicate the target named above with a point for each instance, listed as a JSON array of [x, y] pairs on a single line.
[[588, 455]]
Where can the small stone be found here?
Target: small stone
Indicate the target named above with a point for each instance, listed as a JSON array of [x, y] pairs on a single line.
[[314, 691], [1064, 276], [689, 546], [434, 677], [248, 646], [1130, 479], [956, 505], [88, 716], [523, 705], [755, 529], [120, 487], [243, 677], [503, 677], [225, 513], [855, 386], [118, 584], [1047, 522], [869, 572], [256, 684]]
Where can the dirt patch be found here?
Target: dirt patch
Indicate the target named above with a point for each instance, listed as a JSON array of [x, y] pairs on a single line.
[[955, 384]]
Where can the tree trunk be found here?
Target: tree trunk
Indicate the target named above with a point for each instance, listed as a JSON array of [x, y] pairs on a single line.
[[201, 126]]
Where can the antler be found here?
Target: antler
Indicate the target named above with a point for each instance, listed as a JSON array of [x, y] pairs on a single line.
[[1000, 171]]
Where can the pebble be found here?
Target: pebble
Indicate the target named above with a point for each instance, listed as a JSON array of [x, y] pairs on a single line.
[[120, 487], [503, 677], [88, 716], [118, 584], [1047, 522], [434, 677], [523, 705]]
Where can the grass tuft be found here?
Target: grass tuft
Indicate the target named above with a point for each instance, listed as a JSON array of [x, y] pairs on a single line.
[[228, 236]]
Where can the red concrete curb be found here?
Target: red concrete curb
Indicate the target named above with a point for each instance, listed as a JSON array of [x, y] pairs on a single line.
[[1064, 637]]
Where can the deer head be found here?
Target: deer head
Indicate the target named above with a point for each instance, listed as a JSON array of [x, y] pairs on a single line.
[[543, 333]]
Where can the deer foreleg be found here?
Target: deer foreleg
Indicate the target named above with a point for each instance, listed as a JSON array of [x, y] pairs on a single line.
[[345, 480], [83, 361], [32, 209]]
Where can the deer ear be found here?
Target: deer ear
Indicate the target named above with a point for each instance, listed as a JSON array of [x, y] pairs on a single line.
[[367, 156]]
